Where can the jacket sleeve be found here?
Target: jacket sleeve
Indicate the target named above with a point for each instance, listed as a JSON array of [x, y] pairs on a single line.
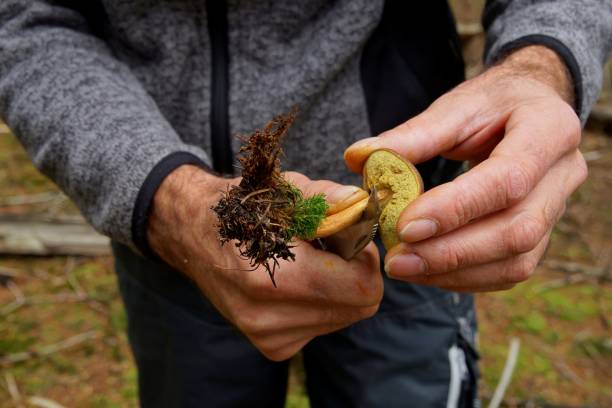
[[84, 118], [580, 31]]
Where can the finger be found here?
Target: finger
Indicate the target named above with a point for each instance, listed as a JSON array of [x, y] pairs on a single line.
[[282, 351], [338, 196], [284, 345], [504, 234], [516, 165], [450, 120], [284, 342], [494, 276], [291, 318], [278, 331], [466, 123], [320, 277], [535, 125]]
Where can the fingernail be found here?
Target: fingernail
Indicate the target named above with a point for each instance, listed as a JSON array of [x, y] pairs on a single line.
[[341, 194], [405, 265], [418, 230]]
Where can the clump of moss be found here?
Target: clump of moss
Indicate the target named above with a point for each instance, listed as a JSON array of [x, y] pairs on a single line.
[[265, 212]]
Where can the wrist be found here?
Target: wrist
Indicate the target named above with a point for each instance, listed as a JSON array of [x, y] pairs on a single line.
[[183, 201], [541, 64]]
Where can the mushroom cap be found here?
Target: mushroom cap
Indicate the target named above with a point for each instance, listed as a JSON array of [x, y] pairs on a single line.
[[387, 170]]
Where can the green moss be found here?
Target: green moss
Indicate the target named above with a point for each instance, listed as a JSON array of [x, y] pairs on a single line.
[[569, 308], [533, 322], [307, 215]]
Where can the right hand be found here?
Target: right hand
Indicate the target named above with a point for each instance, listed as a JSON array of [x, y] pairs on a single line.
[[317, 294]]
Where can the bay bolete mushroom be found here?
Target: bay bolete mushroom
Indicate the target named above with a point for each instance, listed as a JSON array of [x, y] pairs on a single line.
[[397, 184]]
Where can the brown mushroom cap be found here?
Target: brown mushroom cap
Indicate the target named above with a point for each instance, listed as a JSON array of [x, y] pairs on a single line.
[[397, 182]]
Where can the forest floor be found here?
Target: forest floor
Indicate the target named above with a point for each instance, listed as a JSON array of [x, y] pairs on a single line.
[[561, 316]]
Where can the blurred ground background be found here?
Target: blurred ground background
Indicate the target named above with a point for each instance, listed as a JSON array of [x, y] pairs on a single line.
[[62, 325]]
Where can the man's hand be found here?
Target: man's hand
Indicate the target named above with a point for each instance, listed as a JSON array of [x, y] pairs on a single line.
[[317, 294], [488, 228]]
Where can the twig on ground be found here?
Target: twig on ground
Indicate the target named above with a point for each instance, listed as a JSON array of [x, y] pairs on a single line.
[[98, 307], [5, 270], [557, 361], [43, 402], [14, 289], [593, 155], [41, 274], [10, 308], [19, 298], [567, 372], [603, 315], [575, 273], [604, 273], [7, 275], [13, 390], [30, 199], [500, 390], [48, 299], [559, 283], [48, 350], [31, 237], [71, 277], [78, 288]]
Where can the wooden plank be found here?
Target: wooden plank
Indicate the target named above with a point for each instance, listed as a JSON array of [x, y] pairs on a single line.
[[28, 237]]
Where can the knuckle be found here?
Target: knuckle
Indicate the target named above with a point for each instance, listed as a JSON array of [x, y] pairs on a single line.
[[452, 258], [518, 182], [368, 312], [521, 270], [377, 290], [464, 208], [551, 212], [581, 171], [572, 126], [251, 323], [275, 349], [367, 282], [275, 353], [407, 127], [297, 178], [525, 232], [561, 212], [497, 288], [507, 286], [370, 291]]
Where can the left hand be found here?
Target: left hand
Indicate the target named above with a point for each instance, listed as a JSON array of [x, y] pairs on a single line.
[[488, 228]]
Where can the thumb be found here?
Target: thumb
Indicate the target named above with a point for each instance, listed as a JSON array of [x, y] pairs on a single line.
[[445, 124], [338, 196]]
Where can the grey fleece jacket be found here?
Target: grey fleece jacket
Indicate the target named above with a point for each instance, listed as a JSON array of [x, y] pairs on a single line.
[[107, 94]]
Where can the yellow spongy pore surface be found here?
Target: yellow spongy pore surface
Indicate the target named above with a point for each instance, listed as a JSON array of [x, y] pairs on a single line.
[[386, 170]]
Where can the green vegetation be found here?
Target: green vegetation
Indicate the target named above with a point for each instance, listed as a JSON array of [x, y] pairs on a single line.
[[564, 327], [307, 215]]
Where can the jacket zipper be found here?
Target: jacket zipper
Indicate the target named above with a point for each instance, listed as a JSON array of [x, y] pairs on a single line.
[[222, 156]]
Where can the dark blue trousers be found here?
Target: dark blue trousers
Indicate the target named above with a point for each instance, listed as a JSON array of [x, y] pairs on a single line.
[[417, 351]]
